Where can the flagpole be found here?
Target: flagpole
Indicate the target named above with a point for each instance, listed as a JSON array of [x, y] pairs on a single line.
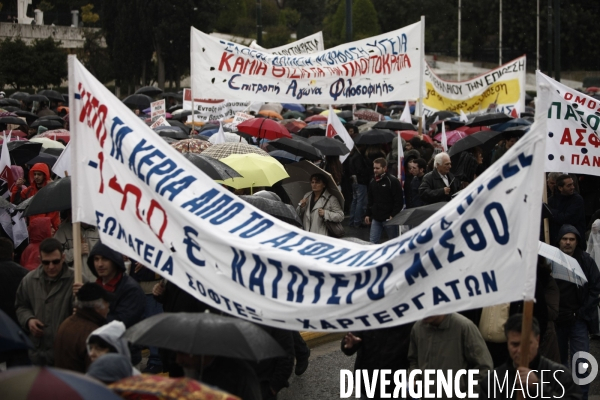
[[422, 74]]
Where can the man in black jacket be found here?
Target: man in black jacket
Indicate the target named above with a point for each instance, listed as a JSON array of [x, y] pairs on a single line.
[[385, 199], [361, 176], [439, 184], [567, 208], [541, 379]]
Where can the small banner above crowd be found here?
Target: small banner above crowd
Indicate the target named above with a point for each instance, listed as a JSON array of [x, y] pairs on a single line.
[[307, 45], [572, 142], [501, 89], [381, 68], [151, 204]]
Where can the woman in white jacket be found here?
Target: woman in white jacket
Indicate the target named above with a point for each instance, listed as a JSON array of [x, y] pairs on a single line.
[[319, 206]]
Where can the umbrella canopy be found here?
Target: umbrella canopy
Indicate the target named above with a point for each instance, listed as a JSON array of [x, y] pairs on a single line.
[[314, 118], [407, 135], [173, 132], [157, 387], [368, 115], [230, 137], [29, 116], [61, 135], [316, 110], [488, 119], [346, 114], [484, 139], [184, 127], [11, 335], [19, 95], [510, 124], [10, 102], [53, 151], [293, 114], [52, 95], [51, 383], [313, 130], [272, 107], [293, 107], [55, 196], [294, 126], [451, 136], [329, 146], [263, 128], [417, 215], [139, 101], [375, 136], [48, 143], [191, 146], [149, 91], [212, 167], [284, 157], [256, 170], [47, 123], [394, 126], [298, 184], [205, 334], [45, 158], [564, 267], [270, 114], [36, 97], [297, 147], [12, 121], [23, 151], [223, 150], [277, 209], [440, 115]]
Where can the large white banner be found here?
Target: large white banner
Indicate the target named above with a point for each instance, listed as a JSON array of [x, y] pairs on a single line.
[[502, 88], [307, 45], [572, 143], [153, 205], [382, 68]]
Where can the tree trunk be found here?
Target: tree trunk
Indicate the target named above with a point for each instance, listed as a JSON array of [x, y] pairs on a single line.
[[161, 67]]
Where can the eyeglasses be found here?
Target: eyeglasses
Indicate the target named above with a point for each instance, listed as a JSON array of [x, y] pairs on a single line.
[[54, 262]]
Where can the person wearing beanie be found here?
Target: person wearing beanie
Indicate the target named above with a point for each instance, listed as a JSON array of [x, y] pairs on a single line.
[[91, 309]]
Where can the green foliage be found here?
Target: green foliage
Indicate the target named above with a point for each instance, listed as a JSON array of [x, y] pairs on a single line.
[[89, 17], [289, 18], [16, 63], [245, 27], [50, 63], [364, 22], [230, 13], [276, 36], [45, 6], [95, 57]]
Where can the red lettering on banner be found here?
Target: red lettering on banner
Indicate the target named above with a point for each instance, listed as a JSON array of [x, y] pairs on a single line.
[[580, 100], [278, 72], [580, 138], [568, 96], [566, 137], [586, 161], [239, 65], [225, 61]]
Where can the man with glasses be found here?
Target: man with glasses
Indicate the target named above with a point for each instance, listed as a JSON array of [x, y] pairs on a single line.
[[44, 300]]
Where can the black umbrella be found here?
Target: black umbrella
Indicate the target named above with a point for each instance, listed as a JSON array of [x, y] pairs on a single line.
[[313, 130], [297, 147], [53, 118], [45, 158], [316, 110], [10, 102], [394, 126], [19, 95], [484, 139], [11, 109], [149, 91], [53, 151], [12, 121], [47, 123], [417, 215], [452, 124], [375, 136], [277, 209], [175, 108], [518, 130], [346, 114], [29, 116], [440, 115], [177, 96], [172, 132], [356, 122], [21, 151], [11, 335], [329, 146], [51, 95], [36, 97], [140, 101], [181, 115], [169, 140], [205, 334], [488, 119], [179, 124], [55, 196], [212, 167], [207, 127]]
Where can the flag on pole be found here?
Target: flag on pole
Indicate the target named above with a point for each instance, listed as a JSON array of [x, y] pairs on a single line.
[[12, 221], [219, 136], [405, 117], [444, 138], [463, 116], [62, 166], [335, 127]]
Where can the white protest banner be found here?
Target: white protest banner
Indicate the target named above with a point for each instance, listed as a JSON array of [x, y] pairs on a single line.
[[381, 68], [154, 206], [161, 121], [502, 88], [307, 45], [213, 109], [572, 143], [158, 109], [238, 119]]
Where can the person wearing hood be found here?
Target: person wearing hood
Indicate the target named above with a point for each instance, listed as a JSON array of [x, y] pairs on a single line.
[[577, 310], [39, 229], [39, 176], [108, 339], [111, 368]]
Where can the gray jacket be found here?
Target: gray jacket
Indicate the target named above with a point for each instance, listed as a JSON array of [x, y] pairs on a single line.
[[311, 221], [52, 309]]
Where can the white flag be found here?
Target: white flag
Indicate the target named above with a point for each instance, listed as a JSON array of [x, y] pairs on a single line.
[[405, 117], [463, 116], [219, 137], [335, 127], [444, 138], [12, 221], [62, 166]]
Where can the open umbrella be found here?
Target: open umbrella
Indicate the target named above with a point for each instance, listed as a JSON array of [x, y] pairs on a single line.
[[212, 167], [256, 171], [313, 118], [270, 114], [205, 334], [19, 95], [293, 114], [440, 115], [263, 128], [316, 110], [12, 121], [284, 157], [36, 97], [230, 137], [157, 387], [139, 101], [52, 151], [407, 135], [47, 123], [417, 215], [346, 114], [294, 107], [12, 336], [298, 184], [564, 267], [149, 91], [488, 119], [294, 126], [191, 146], [223, 150], [375, 136], [29, 116], [277, 209], [62, 135], [297, 147], [451, 136], [23, 151], [329, 146], [10, 102], [484, 139], [174, 132], [184, 127], [45, 158], [47, 143], [313, 130], [32, 383], [51, 95], [55, 196], [394, 126], [368, 115]]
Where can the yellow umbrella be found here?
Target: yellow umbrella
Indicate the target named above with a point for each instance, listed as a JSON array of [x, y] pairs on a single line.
[[256, 170], [335, 110]]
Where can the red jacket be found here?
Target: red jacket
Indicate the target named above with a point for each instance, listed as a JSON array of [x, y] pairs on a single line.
[[31, 190], [39, 229]]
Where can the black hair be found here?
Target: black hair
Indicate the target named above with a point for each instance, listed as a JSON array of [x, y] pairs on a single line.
[[7, 249], [422, 164], [50, 245], [515, 324], [320, 178], [381, 161], [560, 181], [98, 341]]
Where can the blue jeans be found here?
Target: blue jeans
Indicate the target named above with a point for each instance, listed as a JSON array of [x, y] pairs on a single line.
[[377, 228], [571, 339], [359, 204], [153, 308]]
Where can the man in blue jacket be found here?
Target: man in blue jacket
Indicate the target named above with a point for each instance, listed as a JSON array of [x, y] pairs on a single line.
[[385, 199]]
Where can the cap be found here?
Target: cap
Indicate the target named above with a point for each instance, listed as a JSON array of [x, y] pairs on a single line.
[[92, 291]]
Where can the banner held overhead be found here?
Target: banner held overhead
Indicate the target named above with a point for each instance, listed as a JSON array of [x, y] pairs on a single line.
[[307, 45]]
